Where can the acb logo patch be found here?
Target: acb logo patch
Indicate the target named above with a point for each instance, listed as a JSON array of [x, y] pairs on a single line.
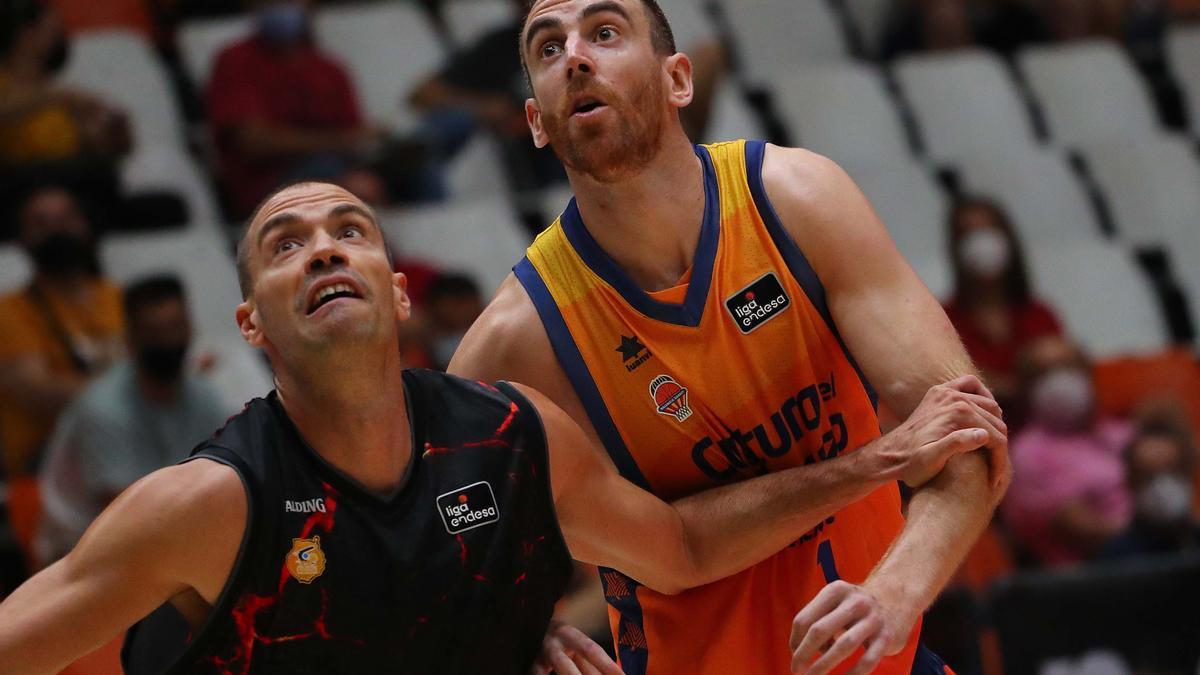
[[306, 560]]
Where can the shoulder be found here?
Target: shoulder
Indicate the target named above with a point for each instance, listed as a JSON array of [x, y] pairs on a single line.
[[237, 53], [507, 340], [200, 498], [800, 180]]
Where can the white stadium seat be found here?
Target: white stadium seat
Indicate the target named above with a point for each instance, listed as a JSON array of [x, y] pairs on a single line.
[[774, 36], [870, 19], [915, 209], [121, 67], [200, 42], [168, 168], [1090, 92], [469, 20], [1043, 196], [15, 268], [964, 102], [1183, 51], [844, 111], [1103, 298], [389, 49], [200, 260], [481, 238], [477, 171], [1152, 186], [731, 117]]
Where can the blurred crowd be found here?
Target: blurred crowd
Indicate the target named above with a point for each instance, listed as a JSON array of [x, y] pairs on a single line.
[[99, 384]]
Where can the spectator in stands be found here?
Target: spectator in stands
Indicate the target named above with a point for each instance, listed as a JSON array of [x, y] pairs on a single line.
[[1068, 20], [142, 415], [283, 110], [482, 86], [453, 304], [58, 332], [993, 307], [939, 25], [1068, 496], [50, 132], [1159, 465]]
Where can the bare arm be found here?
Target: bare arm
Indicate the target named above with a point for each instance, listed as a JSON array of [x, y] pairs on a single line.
[[135, 557], [831, 220]]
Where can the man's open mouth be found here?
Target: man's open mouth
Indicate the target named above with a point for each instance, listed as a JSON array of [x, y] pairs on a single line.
[[587, 105], [328, 294]]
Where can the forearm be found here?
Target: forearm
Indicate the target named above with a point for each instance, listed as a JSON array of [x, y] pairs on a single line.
[[730, 528], [945, 518]]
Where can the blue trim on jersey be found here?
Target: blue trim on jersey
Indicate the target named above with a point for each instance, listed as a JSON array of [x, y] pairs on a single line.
[[799, 266], [925, 662], [577, 372], [692, 310], [633, 661]]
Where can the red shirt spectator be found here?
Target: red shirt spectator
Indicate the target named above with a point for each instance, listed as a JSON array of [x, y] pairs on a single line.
[[1029, 321], [255, 82]]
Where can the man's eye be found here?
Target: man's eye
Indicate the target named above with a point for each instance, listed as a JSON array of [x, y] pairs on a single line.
[[352, 232], [286, 245], [605, 34], [549, 49]]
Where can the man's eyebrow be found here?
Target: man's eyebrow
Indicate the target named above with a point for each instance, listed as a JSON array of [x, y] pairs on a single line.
[[544, 23], [274, 223], [608, 6], [343, 209]]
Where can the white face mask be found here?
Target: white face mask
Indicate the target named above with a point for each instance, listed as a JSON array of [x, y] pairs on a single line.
[[1063, 398], [984, 252], [1165, 499]]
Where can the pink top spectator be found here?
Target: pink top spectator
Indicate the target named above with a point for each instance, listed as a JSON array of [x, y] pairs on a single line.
[[1052, 470]]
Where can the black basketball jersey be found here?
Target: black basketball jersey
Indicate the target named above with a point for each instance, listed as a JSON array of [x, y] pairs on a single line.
[[457, 572]]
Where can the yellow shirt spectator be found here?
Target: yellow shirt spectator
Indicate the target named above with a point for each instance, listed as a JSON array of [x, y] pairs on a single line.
[[71, 338], [45, 134]]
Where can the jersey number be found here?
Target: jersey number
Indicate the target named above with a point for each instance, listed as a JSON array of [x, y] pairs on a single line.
[[825, 559]]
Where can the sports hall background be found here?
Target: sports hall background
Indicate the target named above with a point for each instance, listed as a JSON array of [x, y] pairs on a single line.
[[1078, 119]]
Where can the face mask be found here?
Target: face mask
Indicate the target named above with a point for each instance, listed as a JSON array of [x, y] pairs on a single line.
[[162, 363], [984, 252], [64, 254], [283, 24], [1166, 499], [1063, 398], [443, 349]]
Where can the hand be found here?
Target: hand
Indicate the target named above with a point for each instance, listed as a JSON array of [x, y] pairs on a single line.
[[842, 618], [956, 417], [567, 651]]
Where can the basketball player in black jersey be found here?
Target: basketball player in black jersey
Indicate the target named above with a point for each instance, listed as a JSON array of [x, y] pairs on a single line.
[[362, 518]]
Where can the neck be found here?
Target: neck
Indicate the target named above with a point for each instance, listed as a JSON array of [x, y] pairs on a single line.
[[660, 206], [352, 412], [73, 286], [157, 391]]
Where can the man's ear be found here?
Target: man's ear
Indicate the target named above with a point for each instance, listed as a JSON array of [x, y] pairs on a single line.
[[533, 115], [679, 72], [400, 293], [248, 323]]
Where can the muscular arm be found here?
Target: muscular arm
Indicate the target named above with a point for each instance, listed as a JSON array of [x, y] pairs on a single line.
[[904, 343], [137, 555], [719, 531]]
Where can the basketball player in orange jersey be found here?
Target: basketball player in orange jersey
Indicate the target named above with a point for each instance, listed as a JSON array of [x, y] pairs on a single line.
[[717, 315]]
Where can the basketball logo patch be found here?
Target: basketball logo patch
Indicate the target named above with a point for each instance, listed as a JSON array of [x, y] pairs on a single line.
[[306, 560], [670, 397]]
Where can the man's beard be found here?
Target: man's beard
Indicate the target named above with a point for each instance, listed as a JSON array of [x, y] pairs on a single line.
[[610, 155]]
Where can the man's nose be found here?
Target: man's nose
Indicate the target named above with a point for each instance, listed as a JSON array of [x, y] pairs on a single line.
[[325, 253], [579, 58]]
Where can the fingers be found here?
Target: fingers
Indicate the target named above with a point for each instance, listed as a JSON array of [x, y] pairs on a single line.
[[970, 384], [563, 665], [540, 667], [871, 658], [859, 634], [829, 598], [586, 650], [585, 667], [826, 629]]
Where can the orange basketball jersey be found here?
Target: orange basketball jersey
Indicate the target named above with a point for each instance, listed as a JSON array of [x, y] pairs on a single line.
[[737, 372]]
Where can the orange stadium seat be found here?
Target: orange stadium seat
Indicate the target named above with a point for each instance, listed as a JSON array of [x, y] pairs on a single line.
[[1124, 384]]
